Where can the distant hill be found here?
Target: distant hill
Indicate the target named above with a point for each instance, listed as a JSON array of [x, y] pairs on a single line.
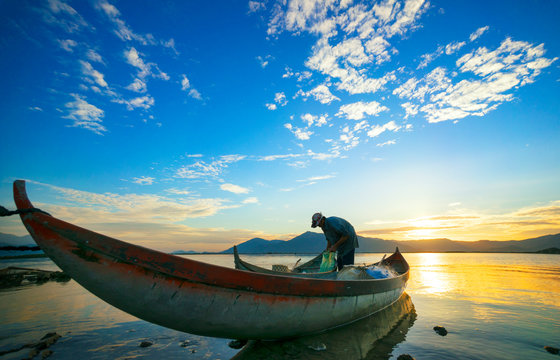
[[313, 243], [13, 240]]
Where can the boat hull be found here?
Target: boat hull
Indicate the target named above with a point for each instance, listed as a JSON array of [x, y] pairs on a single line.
[[199, 298]]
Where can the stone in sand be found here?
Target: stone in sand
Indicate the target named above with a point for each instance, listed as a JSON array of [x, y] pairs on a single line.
[[405, 357], [440, 330]]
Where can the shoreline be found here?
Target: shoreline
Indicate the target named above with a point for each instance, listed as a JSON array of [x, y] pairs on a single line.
[[540, 252]]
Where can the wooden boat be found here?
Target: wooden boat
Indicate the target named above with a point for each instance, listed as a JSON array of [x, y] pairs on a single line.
[[200, 298], [308, 269]]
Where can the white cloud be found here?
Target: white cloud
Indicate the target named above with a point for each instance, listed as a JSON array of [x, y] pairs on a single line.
[[94, 56], [377, 130], [185, 83], [61, 14], [314, 120], [278, 157], [271, 106], [301, 134], [201, 169], [143, 102], [175, 191], [314, 179], [251, 200], [96, 76], [133, 58], [68, 44], [236, 189], [186, 86], [263, 61], [478, 33], [434, 81], [512, 65], [85, 115], [143, 180], [410, 109], [122, 30], [280, 99], [138, 86], [195, 94], [358, 110], [148, 208], [454, 47], [364, 28], [255, 6], [321, 93], [389, 142]]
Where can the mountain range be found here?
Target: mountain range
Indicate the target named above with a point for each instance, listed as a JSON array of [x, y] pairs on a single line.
[[313, 243]]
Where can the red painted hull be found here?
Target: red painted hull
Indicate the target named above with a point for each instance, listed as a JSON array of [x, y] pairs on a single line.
[[200, 298]]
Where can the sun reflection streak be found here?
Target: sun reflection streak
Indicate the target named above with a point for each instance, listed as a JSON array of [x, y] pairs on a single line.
[[432, 278]]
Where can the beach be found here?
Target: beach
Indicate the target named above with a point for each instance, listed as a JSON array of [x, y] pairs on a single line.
[[499, 306]]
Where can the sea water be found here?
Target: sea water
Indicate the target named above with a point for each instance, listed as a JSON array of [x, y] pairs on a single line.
[[494, 306]]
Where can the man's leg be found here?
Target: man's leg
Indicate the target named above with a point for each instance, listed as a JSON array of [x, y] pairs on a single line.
[[347, 259]]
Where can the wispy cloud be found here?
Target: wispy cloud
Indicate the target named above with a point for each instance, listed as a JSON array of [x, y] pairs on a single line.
[[321, 93], [299, 133], [513, 64], [463, 224], [358, 110], [68, 44], [478, 33], [85, 115], [143, 180], [377, 130], [388, 142], [314, 179], [263, 60], [91, 73], [92, 55], [186, 86], [236, 189], [255, 6], [142, 102], [366, 28], [251, 200], [61, 14], [201, 169]]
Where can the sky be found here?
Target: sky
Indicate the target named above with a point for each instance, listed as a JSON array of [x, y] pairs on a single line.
[[197, 125]]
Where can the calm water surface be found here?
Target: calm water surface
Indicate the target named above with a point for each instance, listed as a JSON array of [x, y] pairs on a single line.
[[494, 306]]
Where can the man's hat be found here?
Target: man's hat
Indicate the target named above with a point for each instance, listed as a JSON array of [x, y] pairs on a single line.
[[316, 219]]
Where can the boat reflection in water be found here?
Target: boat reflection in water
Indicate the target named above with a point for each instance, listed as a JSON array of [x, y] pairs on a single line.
[[373, 337]]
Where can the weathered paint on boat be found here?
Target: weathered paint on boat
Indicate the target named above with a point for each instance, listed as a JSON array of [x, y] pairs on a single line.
[[200, 298]]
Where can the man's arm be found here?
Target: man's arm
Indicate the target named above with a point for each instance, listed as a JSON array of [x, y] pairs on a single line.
[[340, 241]]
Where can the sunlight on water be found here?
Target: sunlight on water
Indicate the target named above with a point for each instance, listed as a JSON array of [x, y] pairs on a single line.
[[510, 303]]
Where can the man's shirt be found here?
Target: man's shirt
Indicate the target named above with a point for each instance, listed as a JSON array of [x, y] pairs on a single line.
[[335, 228]]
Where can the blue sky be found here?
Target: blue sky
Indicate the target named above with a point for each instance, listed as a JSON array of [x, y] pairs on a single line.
[[197, 125]]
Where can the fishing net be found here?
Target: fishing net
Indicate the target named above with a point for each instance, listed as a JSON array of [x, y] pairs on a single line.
[[329, 261], [353, 272]]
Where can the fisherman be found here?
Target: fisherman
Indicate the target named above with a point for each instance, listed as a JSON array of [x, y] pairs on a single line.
[[341, 237]]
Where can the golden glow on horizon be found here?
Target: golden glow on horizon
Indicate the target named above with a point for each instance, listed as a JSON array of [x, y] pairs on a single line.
[[161, 223]]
